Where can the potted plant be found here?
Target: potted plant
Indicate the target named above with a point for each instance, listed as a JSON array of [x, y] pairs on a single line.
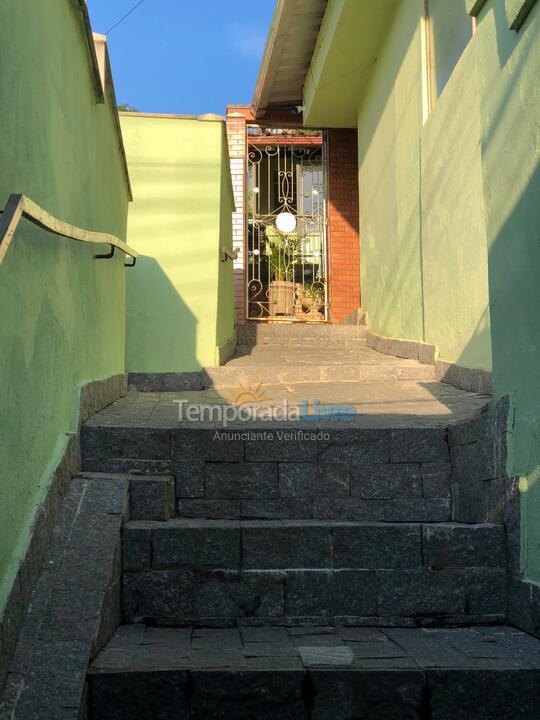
[[283, 251], [311, 297]]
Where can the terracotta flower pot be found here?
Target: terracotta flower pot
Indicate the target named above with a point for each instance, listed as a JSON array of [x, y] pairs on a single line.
[[281, 297]]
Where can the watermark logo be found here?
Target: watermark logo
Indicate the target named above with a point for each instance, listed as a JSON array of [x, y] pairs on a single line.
[[251, 403]]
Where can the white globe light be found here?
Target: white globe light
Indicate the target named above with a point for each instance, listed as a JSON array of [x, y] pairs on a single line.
[[286, 222]]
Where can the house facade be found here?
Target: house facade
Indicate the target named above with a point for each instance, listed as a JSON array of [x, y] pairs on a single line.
[[443, 101]]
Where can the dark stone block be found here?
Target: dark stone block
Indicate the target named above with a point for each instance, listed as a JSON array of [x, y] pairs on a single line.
[[211, 509], [241, 480], [165, 382], [331, 593], [355, 445], [158, 594], [524, 605], [458, 546], [282, 446], [90, 441], [189, 476], [277, 509], [314, 480], [463, 694], [469, 501], [512, 522], [423, 445], [418, 510], [151, 498], [208, 445], [126, 695], [105, 495], [355, 693], [386, 481], [88, 560], [127, 466], [285, 545], [377, 546], [136, 547], [421, 593], [244, 695], [192, 544], [135, 443], [349, 509], [486, 591], [236, 595], [436, 479]]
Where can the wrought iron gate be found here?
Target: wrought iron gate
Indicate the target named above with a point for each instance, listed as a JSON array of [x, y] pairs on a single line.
[[286, 269]]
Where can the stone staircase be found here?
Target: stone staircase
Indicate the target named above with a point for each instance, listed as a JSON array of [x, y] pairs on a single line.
[[262, 564]]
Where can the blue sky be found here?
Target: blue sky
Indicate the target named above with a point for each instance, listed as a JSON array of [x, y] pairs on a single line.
[[184, 56]]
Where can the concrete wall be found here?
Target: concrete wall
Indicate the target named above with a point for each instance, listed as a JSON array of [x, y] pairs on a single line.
[[180, 217], [389, 127], [424, 246], [450, 210], [62, 310], [510, 110]]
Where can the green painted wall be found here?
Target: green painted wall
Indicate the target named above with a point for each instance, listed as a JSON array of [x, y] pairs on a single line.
[[510, 105], [180, 217], [389, 126], [62, 311], [422, 221], [462, 192], [454, 242]]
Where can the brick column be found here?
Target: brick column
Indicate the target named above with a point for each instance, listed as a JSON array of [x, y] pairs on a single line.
[[343, 224], [237, 118]]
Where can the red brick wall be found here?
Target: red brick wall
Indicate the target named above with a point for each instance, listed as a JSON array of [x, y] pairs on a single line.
[[343, 223], [237, 118]]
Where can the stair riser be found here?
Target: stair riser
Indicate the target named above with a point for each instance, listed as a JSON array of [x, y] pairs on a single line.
[[321, 694], [405, 492], [303, 342], [236, 376], [278, 545], [395, 597], [118, 449], [322, 331], [193, 573], [400, 475]]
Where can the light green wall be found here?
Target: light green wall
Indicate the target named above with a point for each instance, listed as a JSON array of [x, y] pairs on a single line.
[[510, 109], [180, 217], [454, 243], [472, 215], [422, 220], [62, 311], [389, 124]]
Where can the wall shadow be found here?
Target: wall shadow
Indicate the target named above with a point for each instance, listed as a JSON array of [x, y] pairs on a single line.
[[161, 332]]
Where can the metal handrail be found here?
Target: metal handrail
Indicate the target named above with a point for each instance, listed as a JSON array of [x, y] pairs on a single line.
[[19, 206]]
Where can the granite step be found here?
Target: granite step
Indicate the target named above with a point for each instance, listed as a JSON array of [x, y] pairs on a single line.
[[251, 333], [346, 342], [394, 492], [117, 446], [240, 375], [222, 572], [320, 673]]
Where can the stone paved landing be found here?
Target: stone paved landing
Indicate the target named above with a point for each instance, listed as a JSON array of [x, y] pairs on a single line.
[[377, 404], [139, 648], [479, 673]]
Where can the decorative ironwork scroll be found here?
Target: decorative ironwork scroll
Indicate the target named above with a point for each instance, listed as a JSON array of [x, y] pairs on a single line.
[[286, 274]]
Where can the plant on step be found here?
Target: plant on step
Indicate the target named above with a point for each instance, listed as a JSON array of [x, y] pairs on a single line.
[[283, 251]]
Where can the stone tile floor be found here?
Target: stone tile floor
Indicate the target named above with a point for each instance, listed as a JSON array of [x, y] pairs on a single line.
[[140, 648], [377, 404], [300, 355]]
